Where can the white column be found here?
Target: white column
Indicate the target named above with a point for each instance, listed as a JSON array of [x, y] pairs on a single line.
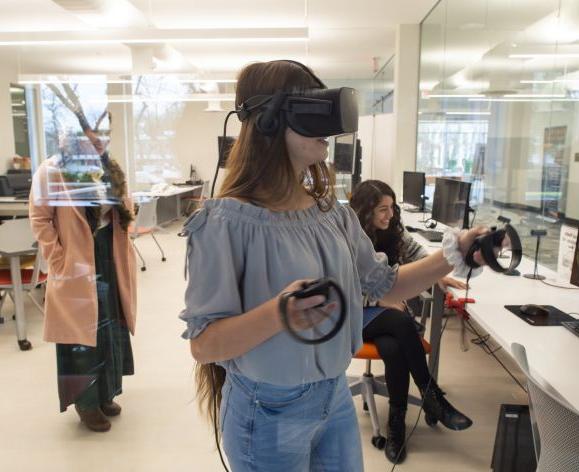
[[406, 77], [8, 74]]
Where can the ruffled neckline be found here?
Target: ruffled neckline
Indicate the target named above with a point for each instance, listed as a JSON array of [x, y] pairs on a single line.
[[249, 211]]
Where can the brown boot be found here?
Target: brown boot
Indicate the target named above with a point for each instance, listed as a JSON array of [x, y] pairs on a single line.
[[94, 419], [111, 408]]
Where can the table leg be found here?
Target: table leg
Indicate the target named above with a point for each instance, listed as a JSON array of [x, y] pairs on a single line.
[[23, 343], [435, 330]]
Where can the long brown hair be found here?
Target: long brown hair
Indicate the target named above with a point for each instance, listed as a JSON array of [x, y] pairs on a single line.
[[260, 171], [364, 200]]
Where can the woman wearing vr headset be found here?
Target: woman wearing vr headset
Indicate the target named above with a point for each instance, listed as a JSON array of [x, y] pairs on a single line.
[[276, 225], [394, 330], [90, 305]]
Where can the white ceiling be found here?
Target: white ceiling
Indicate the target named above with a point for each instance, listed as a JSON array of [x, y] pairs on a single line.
[[472, 51], [344, 36]]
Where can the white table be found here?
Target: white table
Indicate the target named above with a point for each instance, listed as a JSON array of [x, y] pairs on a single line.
[[552, 351], [17, 240], [11, 206], [169, 203]]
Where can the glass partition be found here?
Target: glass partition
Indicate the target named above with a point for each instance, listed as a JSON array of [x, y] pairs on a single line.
[[499, 93]]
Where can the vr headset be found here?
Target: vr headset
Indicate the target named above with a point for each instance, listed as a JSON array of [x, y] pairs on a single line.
[[315, 113]]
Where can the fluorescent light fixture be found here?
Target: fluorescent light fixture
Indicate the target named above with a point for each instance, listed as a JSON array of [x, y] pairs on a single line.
[[536, 81], [554, 81], [451, 96], [154, 36], [74, 81], [202, 81], [171, 98], [468, 113], [523, 100], [534, 95], [544, 56]]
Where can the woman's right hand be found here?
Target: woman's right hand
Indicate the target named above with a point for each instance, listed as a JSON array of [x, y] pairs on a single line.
[[301, 313]]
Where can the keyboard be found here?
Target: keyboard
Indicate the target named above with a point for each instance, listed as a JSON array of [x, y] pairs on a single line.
[[432, 236], [572, 326]]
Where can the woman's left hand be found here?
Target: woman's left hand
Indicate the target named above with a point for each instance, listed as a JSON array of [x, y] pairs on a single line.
[[466, 239], [446, 282]]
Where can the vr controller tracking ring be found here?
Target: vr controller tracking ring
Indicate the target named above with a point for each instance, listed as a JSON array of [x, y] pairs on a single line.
[[317, 287], [491, 241]]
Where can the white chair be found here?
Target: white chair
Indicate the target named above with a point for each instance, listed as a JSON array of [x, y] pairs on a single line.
[[555, 423], [146, 223]]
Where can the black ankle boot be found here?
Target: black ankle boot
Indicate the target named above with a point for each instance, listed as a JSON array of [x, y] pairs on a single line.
[[438, 408], [395, 449]]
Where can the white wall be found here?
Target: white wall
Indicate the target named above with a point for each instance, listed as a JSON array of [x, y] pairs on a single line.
[[376, 133], [406, 76], [196, 139], [366, 136]]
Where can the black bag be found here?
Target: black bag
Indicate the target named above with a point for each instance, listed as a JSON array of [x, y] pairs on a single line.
[[514, 450]]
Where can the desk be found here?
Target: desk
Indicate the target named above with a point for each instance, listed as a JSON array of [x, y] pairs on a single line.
[[552, 351], [169, 203], [10, 206], [16, 240]]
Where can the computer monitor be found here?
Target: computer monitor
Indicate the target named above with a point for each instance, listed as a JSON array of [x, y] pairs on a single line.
[[575, 268], [20, 182], [450, 204], [225, 149], [413, 189], [344, 154]]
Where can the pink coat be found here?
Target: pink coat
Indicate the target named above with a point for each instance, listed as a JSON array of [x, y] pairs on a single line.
[[67, 244]]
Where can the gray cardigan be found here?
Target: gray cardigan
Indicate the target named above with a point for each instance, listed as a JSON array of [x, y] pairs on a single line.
[[241, 255]]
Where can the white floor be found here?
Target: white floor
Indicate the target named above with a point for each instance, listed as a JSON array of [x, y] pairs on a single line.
[[160, 428]]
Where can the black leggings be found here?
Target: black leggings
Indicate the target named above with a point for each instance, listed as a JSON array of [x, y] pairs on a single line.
[[400, 347]]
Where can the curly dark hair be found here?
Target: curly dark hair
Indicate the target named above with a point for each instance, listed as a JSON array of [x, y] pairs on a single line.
[[364, 200]]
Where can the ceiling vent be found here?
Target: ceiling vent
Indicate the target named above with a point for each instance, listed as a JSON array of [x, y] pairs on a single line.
[[83, 6]]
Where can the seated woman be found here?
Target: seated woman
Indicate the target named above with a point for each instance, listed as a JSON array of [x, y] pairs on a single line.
[[394, 330]]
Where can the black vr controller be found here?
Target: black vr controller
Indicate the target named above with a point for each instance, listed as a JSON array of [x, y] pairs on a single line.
[[490, 246], [322, 287]]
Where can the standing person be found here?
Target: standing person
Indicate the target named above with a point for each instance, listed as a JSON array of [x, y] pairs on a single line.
[[393, 330], [275, 225], [90, 302]]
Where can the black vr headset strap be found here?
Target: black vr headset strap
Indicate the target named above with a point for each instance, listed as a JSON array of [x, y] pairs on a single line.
[[244, 110], [269, 120]]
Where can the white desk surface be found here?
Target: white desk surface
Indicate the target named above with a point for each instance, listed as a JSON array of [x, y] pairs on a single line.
[[552, 351], [170, 193]]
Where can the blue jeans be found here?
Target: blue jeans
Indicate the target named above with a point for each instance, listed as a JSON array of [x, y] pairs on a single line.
[[309, 427]]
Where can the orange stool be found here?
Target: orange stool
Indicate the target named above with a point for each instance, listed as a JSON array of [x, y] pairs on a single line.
[[368, 385]]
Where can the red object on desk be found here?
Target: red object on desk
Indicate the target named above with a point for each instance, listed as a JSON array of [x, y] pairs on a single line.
[[458, 304]]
